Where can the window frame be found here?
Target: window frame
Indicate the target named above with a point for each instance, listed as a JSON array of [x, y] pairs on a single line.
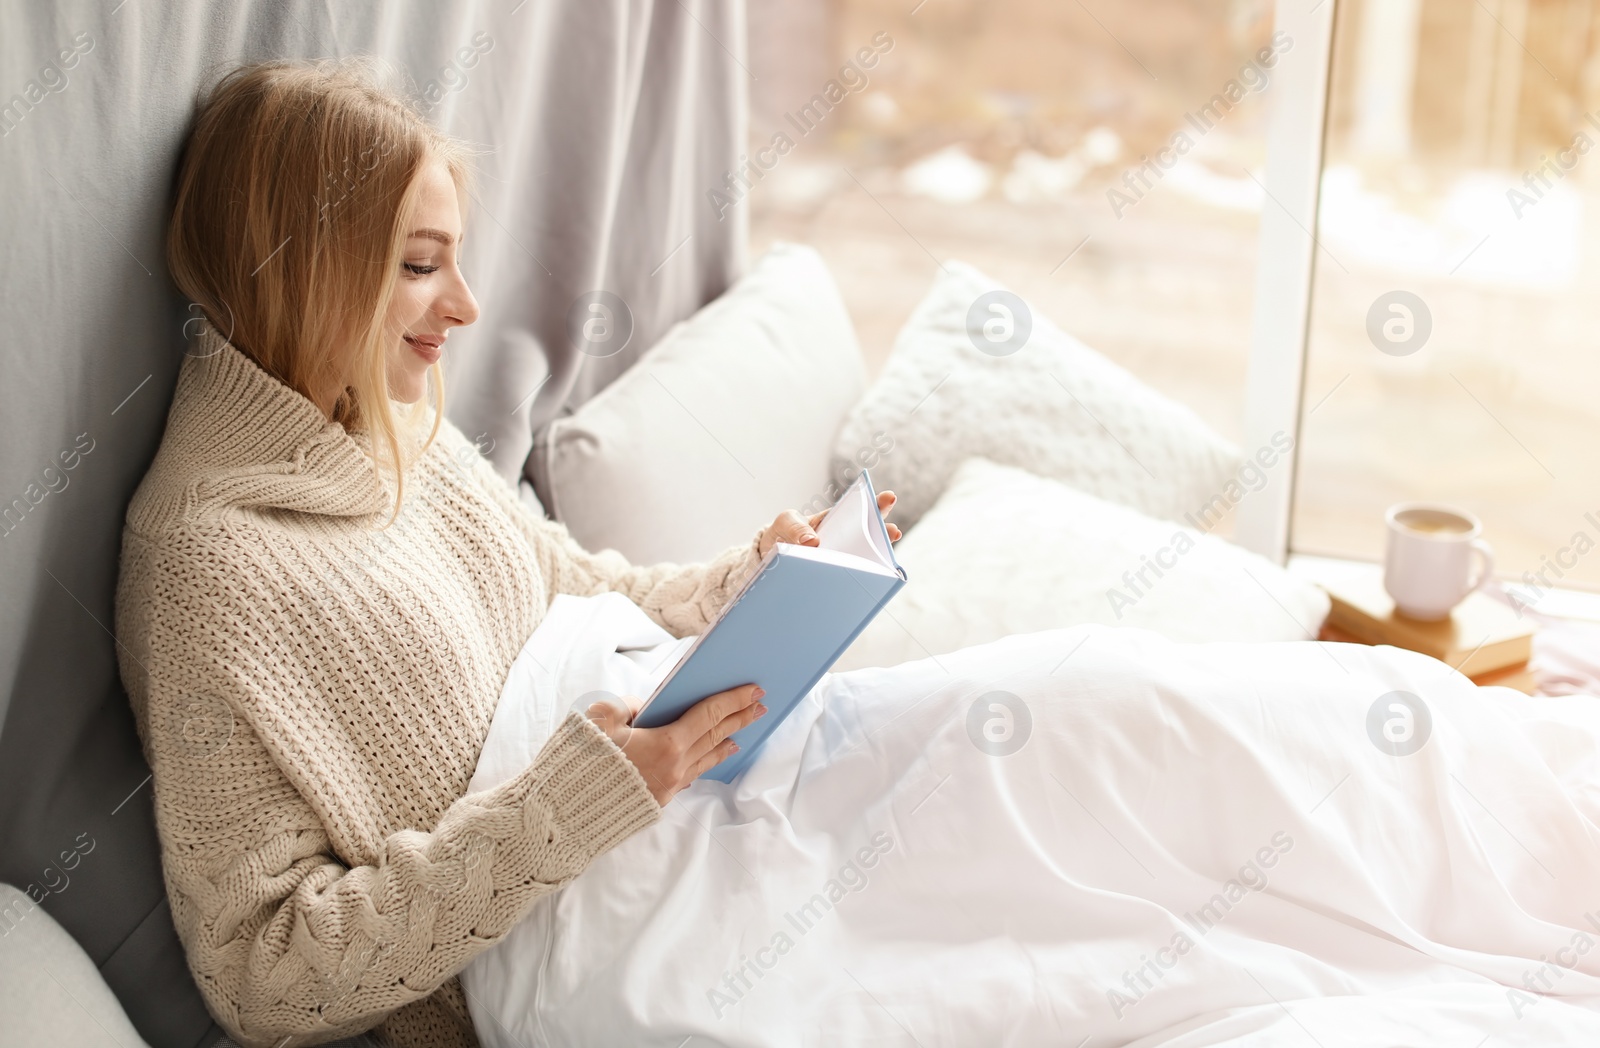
[[1281, 321]]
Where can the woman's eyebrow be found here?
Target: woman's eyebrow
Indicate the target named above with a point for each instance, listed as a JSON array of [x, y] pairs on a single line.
[[435, 234]]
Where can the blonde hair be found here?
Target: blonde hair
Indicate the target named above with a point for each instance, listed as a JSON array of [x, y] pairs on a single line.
[[293, 203]]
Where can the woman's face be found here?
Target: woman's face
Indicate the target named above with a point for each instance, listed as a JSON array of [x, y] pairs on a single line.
[[431, 295]]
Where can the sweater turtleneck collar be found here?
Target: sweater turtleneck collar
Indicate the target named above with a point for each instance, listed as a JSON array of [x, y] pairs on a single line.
[[247, 439]]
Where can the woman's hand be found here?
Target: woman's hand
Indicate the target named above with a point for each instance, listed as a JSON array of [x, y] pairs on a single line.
[[673, 756], [791, 527]]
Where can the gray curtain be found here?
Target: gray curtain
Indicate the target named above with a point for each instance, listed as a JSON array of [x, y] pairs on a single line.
[[607, 121], [629, 115]]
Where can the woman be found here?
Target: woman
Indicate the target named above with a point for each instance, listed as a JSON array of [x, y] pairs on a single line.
[[323, 586]]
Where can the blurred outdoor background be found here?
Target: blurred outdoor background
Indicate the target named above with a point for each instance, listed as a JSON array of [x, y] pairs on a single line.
[[992, 131]]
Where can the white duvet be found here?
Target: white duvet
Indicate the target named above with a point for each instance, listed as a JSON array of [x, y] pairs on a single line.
[[1127, 842]]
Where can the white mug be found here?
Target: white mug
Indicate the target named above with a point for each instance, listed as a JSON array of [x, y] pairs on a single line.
[[1429, 567]]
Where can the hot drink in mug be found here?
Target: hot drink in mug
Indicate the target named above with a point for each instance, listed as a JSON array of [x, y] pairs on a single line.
[[1435, 558]]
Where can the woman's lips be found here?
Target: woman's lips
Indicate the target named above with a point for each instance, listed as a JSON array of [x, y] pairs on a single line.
[[426, 346]]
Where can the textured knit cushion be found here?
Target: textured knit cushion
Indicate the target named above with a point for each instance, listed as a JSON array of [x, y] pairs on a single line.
[[722, 424], [50, 991], [1052, 406], [1007, 552]]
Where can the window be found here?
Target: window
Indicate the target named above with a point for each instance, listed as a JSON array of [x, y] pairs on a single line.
[[1452, 351], [1013, 135], [1433, 342]]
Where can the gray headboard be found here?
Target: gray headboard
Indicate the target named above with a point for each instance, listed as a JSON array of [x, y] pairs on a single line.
[[608, 121]]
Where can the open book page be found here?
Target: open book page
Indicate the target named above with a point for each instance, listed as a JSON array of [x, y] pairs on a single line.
[[838, 556], [854, 526]]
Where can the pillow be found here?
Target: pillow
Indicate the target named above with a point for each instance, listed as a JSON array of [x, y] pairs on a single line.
[[715, 429], [50, 991], [1005, 551], [1032, 396]]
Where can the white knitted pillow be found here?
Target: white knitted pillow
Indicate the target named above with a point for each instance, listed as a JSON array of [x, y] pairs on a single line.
[[1007, 552], [1052, 405]]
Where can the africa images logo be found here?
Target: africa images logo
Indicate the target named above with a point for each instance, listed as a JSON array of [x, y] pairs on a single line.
[[1399, 723], [999, 723]]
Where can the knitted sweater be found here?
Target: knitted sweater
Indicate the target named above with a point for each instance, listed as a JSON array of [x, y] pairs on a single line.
[[312, 695]]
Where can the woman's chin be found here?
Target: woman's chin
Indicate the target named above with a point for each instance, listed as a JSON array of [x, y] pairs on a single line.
[[409, 389]]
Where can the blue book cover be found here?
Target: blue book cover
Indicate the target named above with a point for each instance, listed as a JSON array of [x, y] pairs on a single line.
[[789, 624]]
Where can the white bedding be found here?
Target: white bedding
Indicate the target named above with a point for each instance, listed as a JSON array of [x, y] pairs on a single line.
[[1055, 895]]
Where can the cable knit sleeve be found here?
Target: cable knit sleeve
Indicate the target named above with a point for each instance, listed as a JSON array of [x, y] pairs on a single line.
[[289, 943], [682, 598]]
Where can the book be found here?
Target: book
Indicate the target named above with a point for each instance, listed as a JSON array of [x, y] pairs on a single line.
[[1519, 677], [1481, 636], [788, 624]]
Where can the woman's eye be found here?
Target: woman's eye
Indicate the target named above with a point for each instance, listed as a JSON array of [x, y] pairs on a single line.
[[420, 270]]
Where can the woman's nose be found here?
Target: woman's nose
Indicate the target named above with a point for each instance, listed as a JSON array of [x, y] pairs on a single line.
[[458, 305]]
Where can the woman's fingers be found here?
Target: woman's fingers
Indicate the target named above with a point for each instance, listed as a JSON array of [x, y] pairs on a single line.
[[792, 527], [706, 714], [789, 526], [886, 501], [721, 753], [724, 728], [672, 757]]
